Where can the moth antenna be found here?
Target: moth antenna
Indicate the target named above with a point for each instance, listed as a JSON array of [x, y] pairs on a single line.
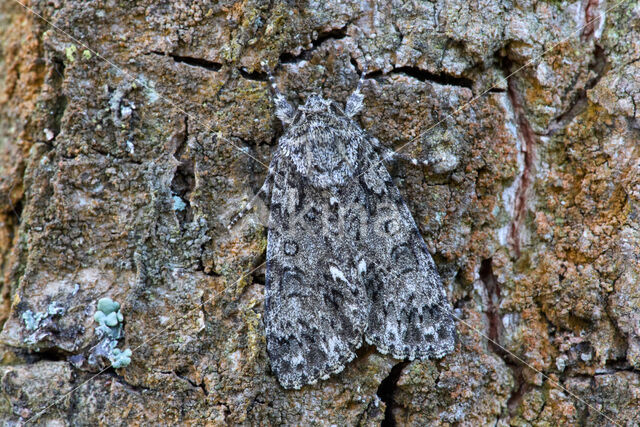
[[284, 111], [362, 77], [355, 102]]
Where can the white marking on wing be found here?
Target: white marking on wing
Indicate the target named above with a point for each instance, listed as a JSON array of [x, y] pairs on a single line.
[[336, 273]]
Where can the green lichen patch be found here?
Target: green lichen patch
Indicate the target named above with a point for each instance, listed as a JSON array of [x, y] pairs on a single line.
[[34, 322], [70, 52], [121, 358], [110, 329], [178, 204]]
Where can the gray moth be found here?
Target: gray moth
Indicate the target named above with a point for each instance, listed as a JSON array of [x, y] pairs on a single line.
[[346, 263]]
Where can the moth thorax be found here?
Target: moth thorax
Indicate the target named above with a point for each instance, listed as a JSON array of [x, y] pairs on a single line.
[[324, 156]]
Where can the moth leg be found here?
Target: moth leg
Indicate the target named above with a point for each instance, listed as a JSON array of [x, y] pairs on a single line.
[[284, 111], [354, 102], [394, 155], [262, 193], [388, 155]]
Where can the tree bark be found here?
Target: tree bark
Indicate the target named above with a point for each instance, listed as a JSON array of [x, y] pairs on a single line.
[[130, 134]]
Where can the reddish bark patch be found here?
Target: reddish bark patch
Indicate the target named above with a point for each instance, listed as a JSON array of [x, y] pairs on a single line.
[[528, 147], [591, 19]]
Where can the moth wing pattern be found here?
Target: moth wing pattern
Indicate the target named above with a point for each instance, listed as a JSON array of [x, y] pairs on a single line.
[[345, 260], [315, 303], [409, 316]]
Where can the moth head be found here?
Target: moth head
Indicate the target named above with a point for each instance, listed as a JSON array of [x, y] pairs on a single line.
[[316, 104]]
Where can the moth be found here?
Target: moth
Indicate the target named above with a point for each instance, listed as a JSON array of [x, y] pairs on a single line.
[[345, 261]]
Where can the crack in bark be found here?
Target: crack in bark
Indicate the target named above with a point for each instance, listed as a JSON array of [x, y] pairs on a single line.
[[60, 100], [183, 181], [179, 374], [591, 19], [493, 296], [285, 58], [496, 327], [305, 54], [210, 65], [192, 61], [520, 388], [599, 66], [16, 207], [335, 34], [256, 76], [424, 76], [137, 388], [529, 139], [443, 79], [50, 354], [386, 393]]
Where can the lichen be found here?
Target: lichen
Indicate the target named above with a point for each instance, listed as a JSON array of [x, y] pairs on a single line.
[[178, 204], [70, 51], [110, 318], [110, 330], [120, 358], [33, 322]]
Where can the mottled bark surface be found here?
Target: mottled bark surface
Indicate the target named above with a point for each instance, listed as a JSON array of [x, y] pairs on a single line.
[[130, 132]]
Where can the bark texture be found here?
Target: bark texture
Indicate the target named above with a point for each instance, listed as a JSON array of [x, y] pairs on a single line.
[[130, 133]]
